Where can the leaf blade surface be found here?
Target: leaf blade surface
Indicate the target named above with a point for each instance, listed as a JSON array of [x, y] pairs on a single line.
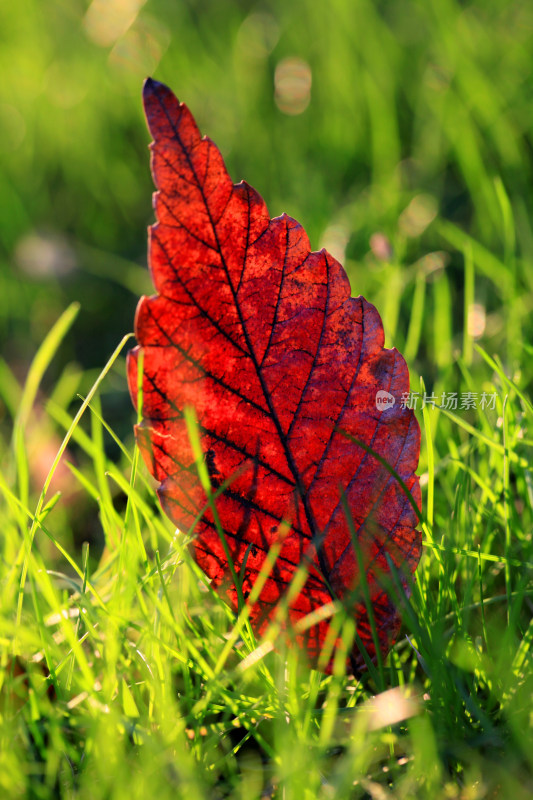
[[261, 336]]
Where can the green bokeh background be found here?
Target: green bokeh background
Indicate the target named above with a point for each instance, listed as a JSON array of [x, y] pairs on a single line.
[[411, 99]]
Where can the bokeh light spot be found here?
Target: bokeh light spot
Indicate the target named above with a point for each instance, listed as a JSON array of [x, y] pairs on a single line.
[[335, 239], [476, 320], [258, 35], [41, 256], [381, 247], [140, 49], [108, 20], [420, 213], [292, 84], [391, 707]]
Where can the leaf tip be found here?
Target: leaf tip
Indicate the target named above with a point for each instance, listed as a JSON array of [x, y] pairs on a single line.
[[151, 87]]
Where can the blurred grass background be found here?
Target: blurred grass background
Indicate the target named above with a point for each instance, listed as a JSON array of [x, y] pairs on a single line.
[[358, 118], [400, 135]]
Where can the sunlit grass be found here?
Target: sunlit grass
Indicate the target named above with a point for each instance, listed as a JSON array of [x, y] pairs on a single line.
[[122, 674]]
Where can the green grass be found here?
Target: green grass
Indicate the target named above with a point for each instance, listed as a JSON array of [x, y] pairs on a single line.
[[121, 673]]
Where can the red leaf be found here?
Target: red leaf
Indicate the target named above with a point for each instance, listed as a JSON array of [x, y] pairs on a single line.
[[261, 336]]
